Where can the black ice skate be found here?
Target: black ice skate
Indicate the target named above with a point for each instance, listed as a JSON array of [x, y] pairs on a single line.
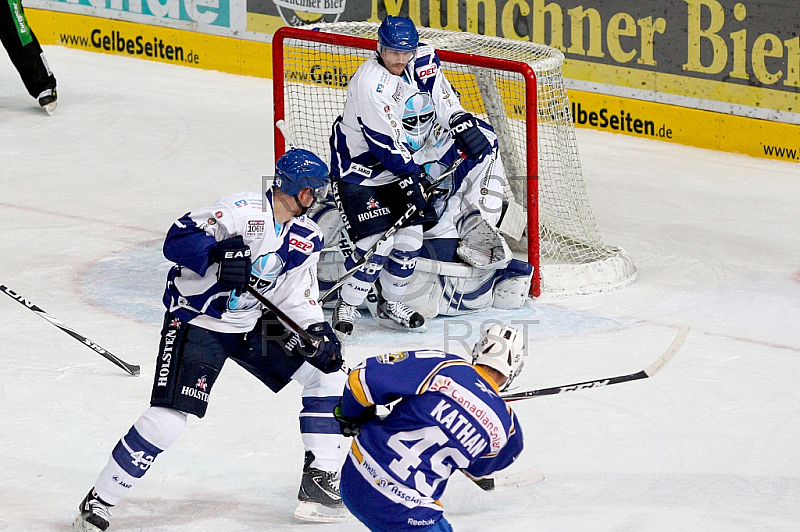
[[319, 495], [48, 100], [344, 316], [400, 314], [94, 514], [393, 314]]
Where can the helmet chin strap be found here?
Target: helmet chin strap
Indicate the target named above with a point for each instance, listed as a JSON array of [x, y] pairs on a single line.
[[303, 210]]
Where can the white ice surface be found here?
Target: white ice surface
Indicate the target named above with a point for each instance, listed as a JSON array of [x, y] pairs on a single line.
[[712, 443]]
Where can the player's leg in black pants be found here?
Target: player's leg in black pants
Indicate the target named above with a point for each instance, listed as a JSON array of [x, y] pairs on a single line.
[[24, 50]]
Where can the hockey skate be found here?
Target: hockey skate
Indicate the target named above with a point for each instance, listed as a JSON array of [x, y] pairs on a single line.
[[94, 514], [319, 495], [393, 314], [396, 312], [48, 99], [344, 316]]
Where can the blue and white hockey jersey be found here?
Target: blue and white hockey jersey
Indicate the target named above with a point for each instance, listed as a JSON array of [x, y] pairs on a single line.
[[284, 259], [450, 417], [368, 142]]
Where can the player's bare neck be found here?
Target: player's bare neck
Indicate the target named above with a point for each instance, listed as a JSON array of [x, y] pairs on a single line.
[[284, 206]]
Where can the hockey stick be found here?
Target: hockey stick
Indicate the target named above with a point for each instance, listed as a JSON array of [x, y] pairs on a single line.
[[649, 371], [287, 321], [391, 231], [131, 369], [520, 479]]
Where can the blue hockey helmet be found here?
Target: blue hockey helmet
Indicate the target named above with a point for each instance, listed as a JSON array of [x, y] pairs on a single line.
[[298, 169], [398, 33]]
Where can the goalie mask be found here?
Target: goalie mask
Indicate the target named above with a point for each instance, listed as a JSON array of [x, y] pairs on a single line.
[[500, 348], [418, 119]]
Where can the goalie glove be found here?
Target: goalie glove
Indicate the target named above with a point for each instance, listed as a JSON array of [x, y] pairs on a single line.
[[482, 246], [468, 136]]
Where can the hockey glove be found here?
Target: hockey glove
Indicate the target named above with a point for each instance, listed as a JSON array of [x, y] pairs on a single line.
[[233, 256], [468, 136], [328, 356], [414, 186], [351, 426]]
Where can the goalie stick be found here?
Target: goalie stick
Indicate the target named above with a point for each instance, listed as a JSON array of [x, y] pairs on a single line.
[[391, 231], [129, 368], [649, 371]]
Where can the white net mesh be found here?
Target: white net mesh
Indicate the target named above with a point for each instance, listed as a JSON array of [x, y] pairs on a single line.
[[572, 253]]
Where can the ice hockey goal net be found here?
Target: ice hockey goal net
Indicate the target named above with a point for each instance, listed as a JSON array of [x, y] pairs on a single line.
[[515, 86]]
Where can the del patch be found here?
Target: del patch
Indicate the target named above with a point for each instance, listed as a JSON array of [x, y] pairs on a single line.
[[426, 71]]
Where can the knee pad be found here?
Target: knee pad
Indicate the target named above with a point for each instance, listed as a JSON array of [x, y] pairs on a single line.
[[161, 426]]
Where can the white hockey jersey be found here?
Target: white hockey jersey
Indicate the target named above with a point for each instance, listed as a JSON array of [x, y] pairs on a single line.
[[368, 141], [284, 262]]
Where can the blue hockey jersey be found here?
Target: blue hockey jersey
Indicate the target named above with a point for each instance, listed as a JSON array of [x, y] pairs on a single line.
[[284, 259], [449, 417]]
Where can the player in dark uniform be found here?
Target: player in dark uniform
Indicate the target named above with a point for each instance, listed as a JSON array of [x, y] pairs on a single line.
[[25, 52]]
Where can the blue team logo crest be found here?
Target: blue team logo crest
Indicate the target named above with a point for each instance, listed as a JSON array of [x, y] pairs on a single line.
[[391, 358], [266, 270], [263, 274]]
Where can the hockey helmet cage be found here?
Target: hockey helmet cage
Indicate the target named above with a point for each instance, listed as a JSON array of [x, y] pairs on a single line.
[[418, 114], [398, 33], [500, 348], [298, 169]]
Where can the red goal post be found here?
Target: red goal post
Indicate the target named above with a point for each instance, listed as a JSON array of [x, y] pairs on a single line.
[[515, 86], [527, 73]]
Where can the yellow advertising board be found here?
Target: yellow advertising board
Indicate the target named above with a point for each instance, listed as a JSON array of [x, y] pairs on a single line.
[[667, 121]]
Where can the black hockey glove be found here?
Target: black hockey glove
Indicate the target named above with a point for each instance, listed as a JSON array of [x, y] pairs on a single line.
[[468, 136], [328, 356], [351, 426], [233, 256], [414, 186]]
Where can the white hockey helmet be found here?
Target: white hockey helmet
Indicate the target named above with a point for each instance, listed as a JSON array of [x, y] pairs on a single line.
[[500, 348]]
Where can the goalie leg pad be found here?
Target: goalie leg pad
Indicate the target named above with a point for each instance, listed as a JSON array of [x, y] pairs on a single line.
[[513, 285]]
